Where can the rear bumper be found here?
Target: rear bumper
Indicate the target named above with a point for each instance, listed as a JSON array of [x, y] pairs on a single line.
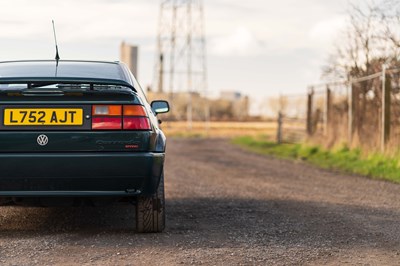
[[80, 174]]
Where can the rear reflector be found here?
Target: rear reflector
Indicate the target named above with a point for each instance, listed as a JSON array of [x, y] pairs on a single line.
[[106, 110], [106, 123], [136, 123]]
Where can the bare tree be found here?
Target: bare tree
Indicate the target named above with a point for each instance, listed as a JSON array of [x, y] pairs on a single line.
[[372, 37], [371, 40], [389, 13], [278, 104]]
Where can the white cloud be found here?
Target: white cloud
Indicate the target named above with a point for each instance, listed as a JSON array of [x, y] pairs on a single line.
[[77, 20], [326, 31], [241, 42]]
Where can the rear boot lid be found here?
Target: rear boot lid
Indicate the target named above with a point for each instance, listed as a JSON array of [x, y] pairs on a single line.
[[60, 117]]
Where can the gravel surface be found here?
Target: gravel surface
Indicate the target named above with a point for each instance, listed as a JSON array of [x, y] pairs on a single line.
[[225, 206]]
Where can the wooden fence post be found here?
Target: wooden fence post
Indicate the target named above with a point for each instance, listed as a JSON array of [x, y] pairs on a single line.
[[328, 107], [279, 129], [309, 111], [386, 96], [350, 112]]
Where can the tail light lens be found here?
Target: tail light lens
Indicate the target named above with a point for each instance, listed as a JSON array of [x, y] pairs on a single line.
[[135, 123], [106, 123], [118, 117], [134, 110], [106, 110]]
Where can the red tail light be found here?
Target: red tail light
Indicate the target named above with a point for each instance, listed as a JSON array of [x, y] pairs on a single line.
[[106, 123], [136, 123], [111, 117]]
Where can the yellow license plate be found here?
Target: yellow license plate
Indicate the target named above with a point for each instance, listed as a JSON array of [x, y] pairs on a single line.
[[43, 117]]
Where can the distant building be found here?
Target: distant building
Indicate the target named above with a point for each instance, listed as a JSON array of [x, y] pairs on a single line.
[[231, 96], [239, 103], [129, 55]]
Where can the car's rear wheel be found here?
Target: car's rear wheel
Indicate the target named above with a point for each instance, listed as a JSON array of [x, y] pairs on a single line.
[[150, 211]]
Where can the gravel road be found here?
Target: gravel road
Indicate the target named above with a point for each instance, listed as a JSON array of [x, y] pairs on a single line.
[[225, 206]]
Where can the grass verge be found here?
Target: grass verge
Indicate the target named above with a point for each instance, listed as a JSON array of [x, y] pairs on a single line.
[[350, 161]]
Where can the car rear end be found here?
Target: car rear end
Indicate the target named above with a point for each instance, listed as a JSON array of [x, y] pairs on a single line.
[[77, 135]]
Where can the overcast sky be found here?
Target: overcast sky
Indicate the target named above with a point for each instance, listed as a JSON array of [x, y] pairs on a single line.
[[259, 47]]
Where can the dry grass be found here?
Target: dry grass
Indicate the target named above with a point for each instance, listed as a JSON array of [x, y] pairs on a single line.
[[219, 129]]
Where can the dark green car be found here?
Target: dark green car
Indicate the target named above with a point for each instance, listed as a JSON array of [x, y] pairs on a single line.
[[80, 132]]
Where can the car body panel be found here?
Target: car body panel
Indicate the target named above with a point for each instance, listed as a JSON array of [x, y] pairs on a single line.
[[84, 141], [81, 173]]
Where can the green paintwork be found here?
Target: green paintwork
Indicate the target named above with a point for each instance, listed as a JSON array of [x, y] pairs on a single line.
[[80, 172]]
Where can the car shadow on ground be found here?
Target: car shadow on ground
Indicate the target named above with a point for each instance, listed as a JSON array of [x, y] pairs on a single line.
[[216, 222]]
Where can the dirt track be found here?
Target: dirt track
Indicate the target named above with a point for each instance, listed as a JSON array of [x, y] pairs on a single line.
[[224, 206]]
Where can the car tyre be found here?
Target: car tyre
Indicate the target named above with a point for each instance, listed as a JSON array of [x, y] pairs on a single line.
[[150, 211]]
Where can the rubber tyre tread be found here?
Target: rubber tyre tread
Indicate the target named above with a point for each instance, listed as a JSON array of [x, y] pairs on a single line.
[[150, 211]]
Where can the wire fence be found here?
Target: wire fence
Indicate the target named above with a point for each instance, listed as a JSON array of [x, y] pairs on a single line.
[[362, 112], [292, 118]]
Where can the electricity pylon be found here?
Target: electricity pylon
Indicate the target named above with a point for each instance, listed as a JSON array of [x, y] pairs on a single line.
[[181, 56]]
